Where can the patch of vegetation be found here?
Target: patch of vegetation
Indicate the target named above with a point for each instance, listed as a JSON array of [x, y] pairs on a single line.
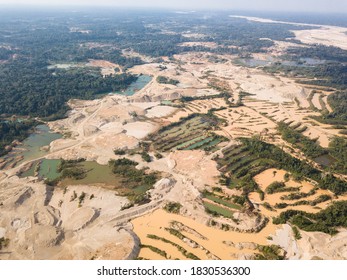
[[309, 147], [146, 157], [217, 211], [4, 242], [240, 200], [192, 132], [275, 157], [72, 169], [272, 252], [173, 207], [298, 195], [277, 187], [81, 199], [327, 220], [181, 249], [166, 80], [132, 177], [338, 149], [158, 155], [296, 233], [238, 167], [155, 250], [338, 101], [319, 52], [268, 206], [119, 152], [320, 199], [41, 92]]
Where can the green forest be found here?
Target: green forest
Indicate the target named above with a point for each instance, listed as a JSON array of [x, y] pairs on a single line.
[[39, 92], [327, 220]]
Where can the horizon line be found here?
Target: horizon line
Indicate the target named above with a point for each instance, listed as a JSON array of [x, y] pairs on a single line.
[[172, 9]]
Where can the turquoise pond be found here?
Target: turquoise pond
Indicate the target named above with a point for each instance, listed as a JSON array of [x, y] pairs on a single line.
[[139, 84]]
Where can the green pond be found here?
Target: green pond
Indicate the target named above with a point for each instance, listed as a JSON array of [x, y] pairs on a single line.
[[101, 174], [48, 168], [167, 102], [31, 147], [34, 143], [220, 210], [96, 174], [140, 83]]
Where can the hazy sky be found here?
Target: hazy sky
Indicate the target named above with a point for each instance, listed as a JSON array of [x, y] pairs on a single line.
[[267, 5]]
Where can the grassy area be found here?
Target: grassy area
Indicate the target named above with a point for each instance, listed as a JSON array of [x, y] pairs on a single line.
[[222, 201], [216, 210]]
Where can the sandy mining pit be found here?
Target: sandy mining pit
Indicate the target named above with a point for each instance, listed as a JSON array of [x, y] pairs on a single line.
[[96, 228]]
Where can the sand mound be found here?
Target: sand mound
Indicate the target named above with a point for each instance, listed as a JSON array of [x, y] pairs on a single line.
[[80, 218], [139, 130], [160, 111]]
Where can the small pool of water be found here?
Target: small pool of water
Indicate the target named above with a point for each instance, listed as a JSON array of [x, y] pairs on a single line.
[[46, 168], [49, 169], [325, 160], [139, 84], [34, 143], [34, 146], [96, 174]]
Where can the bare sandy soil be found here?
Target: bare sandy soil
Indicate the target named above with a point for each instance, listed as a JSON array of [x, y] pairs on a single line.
[[312, 245], [46, 223], [329, 36], [290, 112], [107, 68], [323, 34], [195, 165], [99, 127]]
